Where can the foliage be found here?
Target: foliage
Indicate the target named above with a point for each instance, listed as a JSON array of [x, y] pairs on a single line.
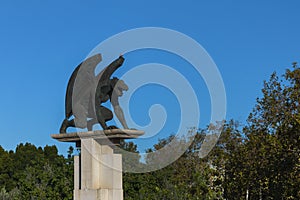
[[266, 166], [35, 173], [189, 177]]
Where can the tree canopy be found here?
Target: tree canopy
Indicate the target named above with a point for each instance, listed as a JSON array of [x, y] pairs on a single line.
[[35, 173]]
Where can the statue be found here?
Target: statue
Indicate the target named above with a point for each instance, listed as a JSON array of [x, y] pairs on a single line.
[[84, 102]]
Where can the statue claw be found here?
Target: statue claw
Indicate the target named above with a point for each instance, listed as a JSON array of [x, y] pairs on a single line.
[[112, 127]]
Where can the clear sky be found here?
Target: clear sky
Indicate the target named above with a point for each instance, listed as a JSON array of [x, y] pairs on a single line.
[[41, 43]]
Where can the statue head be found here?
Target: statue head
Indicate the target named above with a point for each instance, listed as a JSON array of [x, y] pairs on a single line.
[[118, 86]]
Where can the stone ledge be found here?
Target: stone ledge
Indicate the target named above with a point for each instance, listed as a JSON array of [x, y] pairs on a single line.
[[113, 134]]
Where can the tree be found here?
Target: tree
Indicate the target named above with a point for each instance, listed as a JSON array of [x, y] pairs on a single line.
[[35, 173], [266, 166], [189, 177]]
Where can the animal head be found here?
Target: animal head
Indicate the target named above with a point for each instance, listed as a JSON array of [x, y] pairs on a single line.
[[118, 86]]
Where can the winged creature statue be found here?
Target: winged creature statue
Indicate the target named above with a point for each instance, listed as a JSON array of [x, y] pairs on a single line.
[[86, 93]]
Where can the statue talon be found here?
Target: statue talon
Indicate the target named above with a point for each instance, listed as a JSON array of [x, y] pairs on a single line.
[[112, 127]]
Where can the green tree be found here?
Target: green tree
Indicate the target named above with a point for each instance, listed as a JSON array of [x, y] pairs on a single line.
[[35, 173], [189, 177], [6, 169], [266, 166]]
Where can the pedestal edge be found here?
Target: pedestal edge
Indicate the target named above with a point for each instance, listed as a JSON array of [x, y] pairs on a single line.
[[98, 134]]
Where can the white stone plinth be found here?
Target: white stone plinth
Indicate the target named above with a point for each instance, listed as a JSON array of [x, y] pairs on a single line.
[[98, 170], [99, 194], [101, 172]]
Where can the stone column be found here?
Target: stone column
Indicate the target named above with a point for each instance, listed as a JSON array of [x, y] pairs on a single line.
[[100, 172]]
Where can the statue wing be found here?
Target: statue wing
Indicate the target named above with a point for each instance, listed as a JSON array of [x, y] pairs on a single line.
[[103, 80], [106, 73], [80, 85]]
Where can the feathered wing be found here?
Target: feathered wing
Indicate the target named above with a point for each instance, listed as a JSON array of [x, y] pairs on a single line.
[[80, 85]]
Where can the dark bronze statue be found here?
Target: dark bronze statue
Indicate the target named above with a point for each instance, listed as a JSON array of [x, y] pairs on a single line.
[[86, 92]]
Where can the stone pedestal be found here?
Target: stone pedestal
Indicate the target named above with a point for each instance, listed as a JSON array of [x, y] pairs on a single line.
[[98, 170]]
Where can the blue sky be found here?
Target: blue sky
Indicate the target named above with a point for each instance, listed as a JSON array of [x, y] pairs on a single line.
[[41, 42]]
